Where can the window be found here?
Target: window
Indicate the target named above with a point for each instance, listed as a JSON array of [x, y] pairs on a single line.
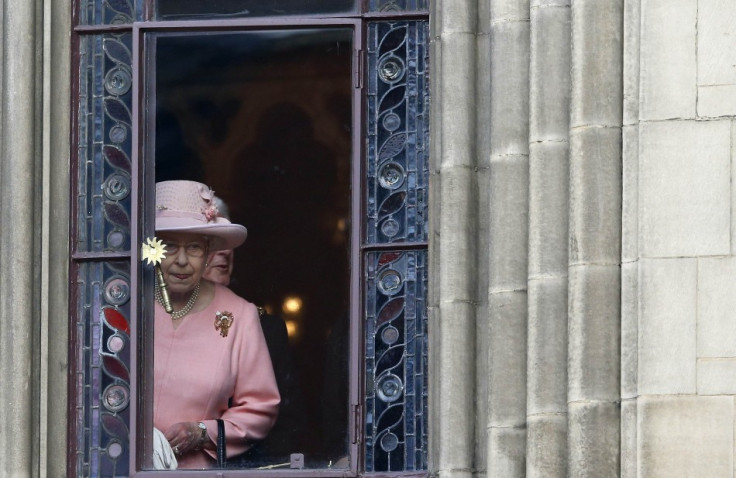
[[312, 126]]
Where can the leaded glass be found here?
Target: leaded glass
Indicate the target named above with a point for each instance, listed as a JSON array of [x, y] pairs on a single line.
[[212, 9], [104, 182], [396, 361], [397, 5], [103, 372], [109, 12], [398, 132]]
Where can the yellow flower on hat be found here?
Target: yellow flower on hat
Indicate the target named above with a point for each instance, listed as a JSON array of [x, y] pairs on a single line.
[[153, 251]]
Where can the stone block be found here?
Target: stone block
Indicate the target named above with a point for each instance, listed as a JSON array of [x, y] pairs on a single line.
[[457, 229], [631, 79], [509, 11], [547, 346], [628, 438], [456, 16], [549, 74], [594, 351], [667, 326], [629, 329], [597, 63], [668, 59], [509, 227], [593, 439], [541, 4], [506, 452], [716, 101], [453, 396], [630, 194], [685, 436], [717, 377], [510, 88], [549, 179], [716, 305], [716, 54], [546, 447], [684, 188], [595, 196], [507, 345], [457, 99]]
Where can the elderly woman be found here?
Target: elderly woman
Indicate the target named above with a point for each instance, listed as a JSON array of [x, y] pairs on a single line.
[[210, 357]]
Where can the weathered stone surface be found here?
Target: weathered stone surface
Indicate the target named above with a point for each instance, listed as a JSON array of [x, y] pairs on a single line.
[[716, 54], [457, 229], [630, 194], [594, 333], [597, 52], [509, 222], [595, 195], [548, 208], [541, 4], [457, 99], [629, 329], [510, 88], [716, 295], [507, 383], [454, 402], [628, 438], [667, 326], [509, 10], [668, 60], [456, 16], [685, 436], [684, 188], [549, 74], [717, 377], [547, 346], [593, 439], [546, 447], [632, 34], [506, 452], [716, 101]]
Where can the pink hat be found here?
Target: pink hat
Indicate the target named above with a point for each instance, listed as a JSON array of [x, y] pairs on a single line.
[[189, 206]]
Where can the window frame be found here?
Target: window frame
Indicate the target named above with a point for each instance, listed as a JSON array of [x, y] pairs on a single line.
[[142, 186]]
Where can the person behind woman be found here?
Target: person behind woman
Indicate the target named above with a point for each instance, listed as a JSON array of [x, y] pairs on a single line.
[[210, 356]]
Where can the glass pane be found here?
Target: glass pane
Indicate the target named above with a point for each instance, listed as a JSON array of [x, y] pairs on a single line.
[[398, 132], [182, 9], [104, 185], [103, 369], [265, 119], [109, 12], [397, 5], [396, 361]]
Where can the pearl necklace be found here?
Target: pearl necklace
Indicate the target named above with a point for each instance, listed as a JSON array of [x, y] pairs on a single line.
[[178, 314]]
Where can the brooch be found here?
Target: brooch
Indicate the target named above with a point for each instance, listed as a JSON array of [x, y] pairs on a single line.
[[223, 321]]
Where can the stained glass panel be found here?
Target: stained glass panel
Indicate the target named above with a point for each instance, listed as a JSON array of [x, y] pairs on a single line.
[[105, 122], [212, 9], [398, 132], [103, 372], [109, 12], [396, 361], [397, 5]]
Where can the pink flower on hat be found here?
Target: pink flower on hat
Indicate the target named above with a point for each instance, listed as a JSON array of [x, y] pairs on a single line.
[[210, 211]]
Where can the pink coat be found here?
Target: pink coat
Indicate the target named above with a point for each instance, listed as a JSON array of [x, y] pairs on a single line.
[[196, 372]]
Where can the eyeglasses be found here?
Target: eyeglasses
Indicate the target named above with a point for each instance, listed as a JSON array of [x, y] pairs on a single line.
[[192, 249]]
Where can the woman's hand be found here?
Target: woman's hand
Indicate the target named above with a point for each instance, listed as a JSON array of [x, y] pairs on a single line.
[[185, 437]]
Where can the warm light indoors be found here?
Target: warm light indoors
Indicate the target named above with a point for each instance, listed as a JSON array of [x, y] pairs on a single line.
[[292, 305], [292, 328]]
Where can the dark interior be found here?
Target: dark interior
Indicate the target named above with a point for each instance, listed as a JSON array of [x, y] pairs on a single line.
[[265, 119]]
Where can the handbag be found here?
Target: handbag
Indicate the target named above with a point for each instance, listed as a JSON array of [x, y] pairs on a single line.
[[221, 447]]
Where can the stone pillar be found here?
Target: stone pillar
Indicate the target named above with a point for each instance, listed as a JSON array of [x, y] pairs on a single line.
[[548, 233], [55, 244], [19, 245], [595, 239], [453, 290], [508, 236]]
